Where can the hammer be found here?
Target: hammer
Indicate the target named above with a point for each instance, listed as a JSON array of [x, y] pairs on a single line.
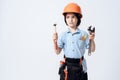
[[55, 27], [91, 30]]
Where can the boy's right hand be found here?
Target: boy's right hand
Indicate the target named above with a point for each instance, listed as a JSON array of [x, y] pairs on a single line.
[[55, 36]]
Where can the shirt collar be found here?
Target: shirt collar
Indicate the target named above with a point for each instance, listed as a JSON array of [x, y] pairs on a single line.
[[77, 30]]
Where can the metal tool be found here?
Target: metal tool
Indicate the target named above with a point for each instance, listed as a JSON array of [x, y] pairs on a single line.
[[55, 27], [91, 30]]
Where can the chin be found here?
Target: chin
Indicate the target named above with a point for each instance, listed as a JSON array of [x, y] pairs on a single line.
[[71, 26]]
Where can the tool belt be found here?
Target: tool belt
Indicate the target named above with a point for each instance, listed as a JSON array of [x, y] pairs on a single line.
[[71, 69]]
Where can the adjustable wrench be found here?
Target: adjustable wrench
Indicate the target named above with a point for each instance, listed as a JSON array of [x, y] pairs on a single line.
[[91, 30]]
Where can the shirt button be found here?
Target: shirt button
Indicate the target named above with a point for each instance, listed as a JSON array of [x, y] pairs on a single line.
[[73, 50], [73, 42]]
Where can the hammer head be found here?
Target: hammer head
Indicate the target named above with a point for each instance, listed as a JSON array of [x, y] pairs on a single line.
[[54, 24]]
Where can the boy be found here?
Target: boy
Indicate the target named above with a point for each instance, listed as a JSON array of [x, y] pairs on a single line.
[[74, 41]]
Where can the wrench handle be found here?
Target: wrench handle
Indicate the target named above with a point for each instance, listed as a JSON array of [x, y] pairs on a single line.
[[89, 51]]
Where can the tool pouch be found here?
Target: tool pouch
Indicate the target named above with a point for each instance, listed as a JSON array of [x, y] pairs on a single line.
[[61, 71]]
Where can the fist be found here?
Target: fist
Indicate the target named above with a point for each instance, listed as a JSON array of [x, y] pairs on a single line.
[[92, 36]]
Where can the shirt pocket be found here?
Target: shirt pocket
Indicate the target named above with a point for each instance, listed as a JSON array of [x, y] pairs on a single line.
[[81, 43]]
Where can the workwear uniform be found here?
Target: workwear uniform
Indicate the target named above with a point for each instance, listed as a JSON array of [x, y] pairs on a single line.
[[74, 45]]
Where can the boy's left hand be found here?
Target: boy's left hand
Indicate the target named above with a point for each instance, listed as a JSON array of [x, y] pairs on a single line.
[[92, 36]]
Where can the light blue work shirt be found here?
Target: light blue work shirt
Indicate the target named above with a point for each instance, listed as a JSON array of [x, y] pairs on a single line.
[[74, 44]]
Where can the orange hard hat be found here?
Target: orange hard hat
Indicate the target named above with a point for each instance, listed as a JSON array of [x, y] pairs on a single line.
[[74, 8]]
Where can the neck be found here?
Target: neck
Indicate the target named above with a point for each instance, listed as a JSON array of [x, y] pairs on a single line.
[[72, 29]]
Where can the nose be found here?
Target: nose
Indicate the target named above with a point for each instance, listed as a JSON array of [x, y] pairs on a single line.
[[70, 19]]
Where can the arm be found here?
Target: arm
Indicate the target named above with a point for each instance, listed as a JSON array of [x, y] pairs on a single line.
[[92, 36], [56, 48], [92, 45]]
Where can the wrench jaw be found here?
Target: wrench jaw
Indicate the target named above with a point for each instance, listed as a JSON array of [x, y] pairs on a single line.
[[91, 29]]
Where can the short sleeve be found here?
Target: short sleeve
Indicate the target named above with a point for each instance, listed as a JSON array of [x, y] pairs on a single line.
[[60, 41]]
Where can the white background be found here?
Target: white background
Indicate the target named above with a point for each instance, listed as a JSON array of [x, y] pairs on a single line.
[[26, 47]]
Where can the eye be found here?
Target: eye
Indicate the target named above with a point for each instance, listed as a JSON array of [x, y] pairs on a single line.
[[67, 17], [73, 16]]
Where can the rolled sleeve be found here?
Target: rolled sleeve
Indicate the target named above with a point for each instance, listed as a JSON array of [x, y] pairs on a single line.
[[60, 41]]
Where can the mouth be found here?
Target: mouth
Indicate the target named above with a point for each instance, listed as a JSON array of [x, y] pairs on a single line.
[[70, 23]]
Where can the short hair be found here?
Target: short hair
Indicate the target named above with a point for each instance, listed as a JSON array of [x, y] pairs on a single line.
[[78, 17]]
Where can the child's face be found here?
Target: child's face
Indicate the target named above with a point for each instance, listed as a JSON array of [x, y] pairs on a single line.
[[71, 20]]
